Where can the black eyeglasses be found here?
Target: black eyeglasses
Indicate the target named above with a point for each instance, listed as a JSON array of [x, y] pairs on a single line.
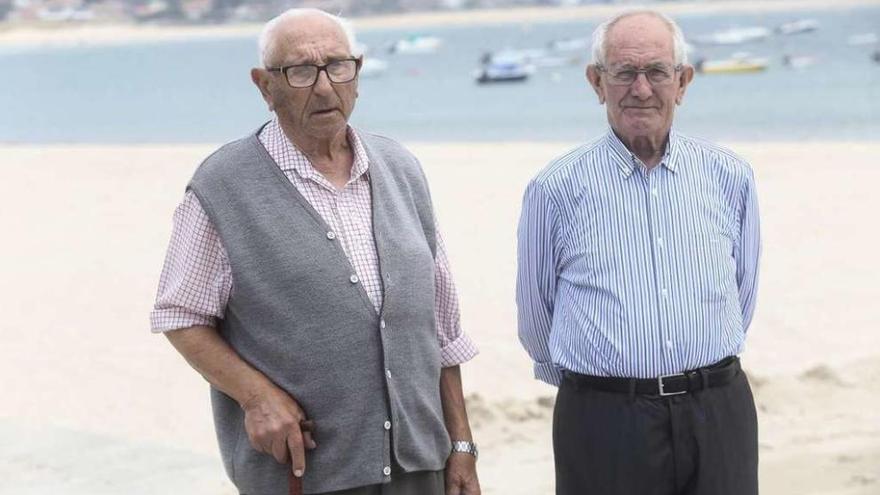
[[657, 75], [306, 75]]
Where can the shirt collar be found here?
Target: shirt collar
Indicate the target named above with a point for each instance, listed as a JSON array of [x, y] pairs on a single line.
[[290, 158], [628, 163]]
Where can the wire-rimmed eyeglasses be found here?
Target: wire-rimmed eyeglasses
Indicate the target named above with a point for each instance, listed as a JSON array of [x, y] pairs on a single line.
[[657, 75], [306, 75]]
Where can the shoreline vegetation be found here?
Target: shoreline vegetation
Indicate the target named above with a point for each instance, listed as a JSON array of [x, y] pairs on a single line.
[[73, 35]]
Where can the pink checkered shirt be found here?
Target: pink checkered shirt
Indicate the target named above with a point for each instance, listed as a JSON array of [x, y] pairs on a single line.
[[196, 278]]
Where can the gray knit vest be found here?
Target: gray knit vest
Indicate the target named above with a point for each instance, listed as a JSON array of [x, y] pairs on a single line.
[[297, 314]]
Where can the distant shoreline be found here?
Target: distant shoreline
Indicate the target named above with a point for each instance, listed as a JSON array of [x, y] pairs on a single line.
[[56, 36]]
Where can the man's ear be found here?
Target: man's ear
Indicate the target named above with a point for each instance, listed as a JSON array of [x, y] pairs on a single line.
[[687, 75], [261, 79], [594, 77]]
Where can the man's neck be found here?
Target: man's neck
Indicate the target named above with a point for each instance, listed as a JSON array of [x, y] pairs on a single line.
[[648, 149], [332, 157]]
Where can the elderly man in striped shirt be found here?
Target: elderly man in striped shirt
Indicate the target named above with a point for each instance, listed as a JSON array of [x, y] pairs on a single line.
[[638, 262], [306, 280]]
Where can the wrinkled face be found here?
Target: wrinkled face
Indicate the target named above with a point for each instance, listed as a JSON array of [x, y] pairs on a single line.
[[639, 109], [318, 112]]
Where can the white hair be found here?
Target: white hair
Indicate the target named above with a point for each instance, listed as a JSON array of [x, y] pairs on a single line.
[[600, 35], [270, 30]]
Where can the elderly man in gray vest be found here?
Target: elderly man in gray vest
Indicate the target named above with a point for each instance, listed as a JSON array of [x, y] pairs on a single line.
[[306, 280]]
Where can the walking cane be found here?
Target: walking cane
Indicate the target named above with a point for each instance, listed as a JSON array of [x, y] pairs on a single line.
[[295, 485]]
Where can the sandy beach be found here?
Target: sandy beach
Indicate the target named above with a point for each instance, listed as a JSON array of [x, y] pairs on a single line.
[[66, 35], [93, 403]]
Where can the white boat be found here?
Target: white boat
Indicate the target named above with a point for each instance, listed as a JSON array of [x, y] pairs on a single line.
[[798, 26], [539, 57], [733, 36], [416, 44], [863, 39], [570, 44], [503, 67], [373, 67]]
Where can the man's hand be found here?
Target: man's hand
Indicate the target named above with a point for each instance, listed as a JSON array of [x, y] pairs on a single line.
[[273, 424], [461, 468], [272, 417], [461, 475]]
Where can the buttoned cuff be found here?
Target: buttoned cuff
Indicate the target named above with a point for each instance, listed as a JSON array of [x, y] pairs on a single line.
[[458, 351], [548, 373], [167, 319]]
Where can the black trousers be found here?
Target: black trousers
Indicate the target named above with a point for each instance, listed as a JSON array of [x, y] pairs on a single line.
[[701, 443]]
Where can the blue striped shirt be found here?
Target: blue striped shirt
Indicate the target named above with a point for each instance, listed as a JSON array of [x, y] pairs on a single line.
[[636, 273]]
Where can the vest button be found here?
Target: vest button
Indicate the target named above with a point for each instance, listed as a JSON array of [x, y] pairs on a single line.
[[331, 235], [354, 279], [386, 471], [382, 324], [387, 425]]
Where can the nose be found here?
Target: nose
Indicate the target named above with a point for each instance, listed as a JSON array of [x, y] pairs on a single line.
[[641, 88], [322, 84]]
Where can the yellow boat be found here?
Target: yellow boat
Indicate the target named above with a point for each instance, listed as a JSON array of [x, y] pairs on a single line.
[[732, 66]]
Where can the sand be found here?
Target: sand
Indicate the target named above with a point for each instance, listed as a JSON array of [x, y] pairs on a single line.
[[26, 36], [93, 403]]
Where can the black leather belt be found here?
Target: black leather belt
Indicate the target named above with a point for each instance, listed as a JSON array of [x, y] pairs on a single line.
[[715, 375]]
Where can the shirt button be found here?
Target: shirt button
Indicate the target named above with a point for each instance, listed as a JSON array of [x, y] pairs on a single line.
[[664, 292], [354, 279], [669, 344], [331, 235], [386, 470], [654, 192], [660, 241], [382, 324], [387, 425]]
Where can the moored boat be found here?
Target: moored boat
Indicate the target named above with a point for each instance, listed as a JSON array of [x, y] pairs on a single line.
[[733, 65]]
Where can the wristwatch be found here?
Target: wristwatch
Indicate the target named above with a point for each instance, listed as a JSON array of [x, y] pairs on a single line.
[[465, 447]]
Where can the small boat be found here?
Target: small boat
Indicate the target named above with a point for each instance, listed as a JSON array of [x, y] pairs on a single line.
[[503, 68], [373, 67], [862, 39], [734, 36], [734, 65], [539, 57], [570, 44], [797, 27], [416, 44]]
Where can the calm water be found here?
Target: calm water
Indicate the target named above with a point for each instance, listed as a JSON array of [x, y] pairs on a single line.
[[199, 91]]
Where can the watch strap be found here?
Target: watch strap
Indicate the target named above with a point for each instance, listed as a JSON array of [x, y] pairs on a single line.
[[465, 447]]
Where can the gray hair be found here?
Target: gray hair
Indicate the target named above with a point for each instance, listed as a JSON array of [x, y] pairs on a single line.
[[600, 35], [270, 30]]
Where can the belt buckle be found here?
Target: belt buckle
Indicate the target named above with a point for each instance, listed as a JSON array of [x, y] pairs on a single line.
[[664, 393]]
